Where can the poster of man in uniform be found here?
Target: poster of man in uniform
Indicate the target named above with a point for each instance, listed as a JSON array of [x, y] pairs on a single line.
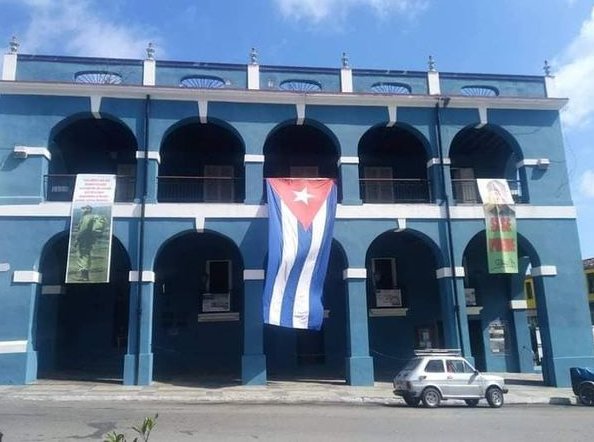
[[500, 222], [89, 247]]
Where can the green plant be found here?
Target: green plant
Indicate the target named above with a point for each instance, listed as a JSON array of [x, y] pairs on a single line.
[[144, 431]]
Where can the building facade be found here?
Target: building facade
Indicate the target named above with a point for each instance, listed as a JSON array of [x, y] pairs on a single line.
[[191, 144]]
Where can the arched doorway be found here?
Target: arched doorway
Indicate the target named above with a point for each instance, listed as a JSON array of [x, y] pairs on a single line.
[[302, 354], [81, 330], [403, 299], [198, 300]]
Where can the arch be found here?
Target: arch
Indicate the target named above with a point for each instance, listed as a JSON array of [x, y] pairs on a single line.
[[80, 330]]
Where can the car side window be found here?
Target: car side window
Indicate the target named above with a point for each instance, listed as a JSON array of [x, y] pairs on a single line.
[[434, 366]]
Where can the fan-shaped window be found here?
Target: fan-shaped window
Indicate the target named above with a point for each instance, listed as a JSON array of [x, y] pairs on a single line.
[[479, 91], [97, 77], [202, 82], [391, 88], [300, 86]]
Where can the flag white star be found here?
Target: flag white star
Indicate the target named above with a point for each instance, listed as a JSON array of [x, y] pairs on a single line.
[[302, 196]]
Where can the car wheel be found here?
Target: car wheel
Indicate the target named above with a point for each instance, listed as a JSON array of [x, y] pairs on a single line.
[[411, 401], [431, 397], [495, 397], [471, 402], [586, 394]]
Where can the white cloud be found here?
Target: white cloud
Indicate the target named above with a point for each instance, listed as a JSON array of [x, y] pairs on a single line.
[[575, 74], [587, 183], [316, 11], [79, 27]]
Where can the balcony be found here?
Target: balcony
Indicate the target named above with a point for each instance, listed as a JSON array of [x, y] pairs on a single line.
[[388, 191], [466, 191], [61, 187], [192, 189]]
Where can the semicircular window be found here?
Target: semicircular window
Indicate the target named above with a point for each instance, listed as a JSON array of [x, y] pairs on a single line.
[[202, 82], [300, 86], [479, 91], [97, 77], [391, 88]]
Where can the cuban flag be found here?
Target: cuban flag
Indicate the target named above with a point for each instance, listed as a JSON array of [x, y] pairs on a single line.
[[300, 222]]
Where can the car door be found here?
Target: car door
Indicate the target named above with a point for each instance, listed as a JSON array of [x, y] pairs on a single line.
[[462, 380]]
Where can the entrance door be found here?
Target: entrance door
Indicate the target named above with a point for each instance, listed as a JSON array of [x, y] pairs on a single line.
[[477, 345], [310, 347]]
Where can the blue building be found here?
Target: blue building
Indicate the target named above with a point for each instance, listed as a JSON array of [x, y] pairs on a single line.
[[191, 144]]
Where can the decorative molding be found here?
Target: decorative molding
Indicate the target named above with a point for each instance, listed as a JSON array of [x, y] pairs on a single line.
[[13, 347], [203, 111], [400, 224], [26, 276], [253, 275], [518, 304], [544, 271], [541, 163], [151, 154], [433, 83], [435, 161], [253, 76], [9, 67], [96, 106], [382, 312], [300, 109], [446, 272], [392, 115], [30, 151], [473, 310], [354, 273], [218, 317], [482, 110], [147, 276], [346, 80], [53, 289], [199, 224], [149, 71], [4, 267], [348, 160], [253, 158]]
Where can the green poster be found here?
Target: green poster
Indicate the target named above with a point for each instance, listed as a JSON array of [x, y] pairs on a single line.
[[502, 238]]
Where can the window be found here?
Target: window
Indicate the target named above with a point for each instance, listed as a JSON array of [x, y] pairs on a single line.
[[304, 172], [378, 185], [458, 366], [434, 366], [218, 287], [218, 183], [529, 290], [384, 273], [590, 278], [464, 183]]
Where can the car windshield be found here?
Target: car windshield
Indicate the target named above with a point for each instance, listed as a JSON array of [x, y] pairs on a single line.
[[412, 364]]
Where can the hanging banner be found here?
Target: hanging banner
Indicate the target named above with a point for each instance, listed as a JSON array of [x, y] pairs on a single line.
[[89, 247], [500, 223]]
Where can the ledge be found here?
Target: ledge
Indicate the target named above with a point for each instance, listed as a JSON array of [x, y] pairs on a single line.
[[381, 312]]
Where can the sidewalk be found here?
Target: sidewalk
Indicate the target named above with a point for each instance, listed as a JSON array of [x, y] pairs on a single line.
[[523, 389]]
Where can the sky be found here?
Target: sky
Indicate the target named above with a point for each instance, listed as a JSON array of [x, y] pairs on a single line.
[[483, 36]]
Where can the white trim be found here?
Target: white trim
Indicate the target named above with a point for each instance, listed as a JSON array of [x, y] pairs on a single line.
[[379, 312], [540, 162], [9, 67], [253, 275], [544, 271], [149, 70], [29, 151], [300, 109], [473, 310], [348, 160], [4, 266], [551, 89], [26, 276], [400, 224], [151, 154], [433, 83], [346, 80], [482, 110], [199, 224], [253, 76], [53, 289], [518, 304], [435, 161], [253, 158], [392, 115], [273, 97], [203, 111], [218, 317], [147, 276], [354, 273], [7, 347], [96, 106], [446, 272], [249, 211]]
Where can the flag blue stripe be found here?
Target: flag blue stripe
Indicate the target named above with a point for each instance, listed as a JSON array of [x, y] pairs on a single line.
[[275, 249]]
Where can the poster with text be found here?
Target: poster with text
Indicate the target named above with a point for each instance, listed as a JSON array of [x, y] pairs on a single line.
[[89, 246]]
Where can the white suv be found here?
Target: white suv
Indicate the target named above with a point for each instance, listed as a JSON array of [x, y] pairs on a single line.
[[436, 375]]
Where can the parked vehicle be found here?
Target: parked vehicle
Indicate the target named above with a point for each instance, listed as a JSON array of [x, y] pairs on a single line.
[[582, 383], [436, 375]]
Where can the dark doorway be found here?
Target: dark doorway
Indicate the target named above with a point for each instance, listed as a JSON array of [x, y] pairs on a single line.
[[477, 346]]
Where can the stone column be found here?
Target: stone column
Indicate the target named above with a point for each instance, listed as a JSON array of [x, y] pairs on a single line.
[[253, 361]]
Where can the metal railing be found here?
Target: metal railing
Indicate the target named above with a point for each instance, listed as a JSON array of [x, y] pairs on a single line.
[[466, 191], [198, 189], [60, 187], [399, 190]]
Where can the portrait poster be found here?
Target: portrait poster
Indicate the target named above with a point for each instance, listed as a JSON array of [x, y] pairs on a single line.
[[500, 224], [91, 222]]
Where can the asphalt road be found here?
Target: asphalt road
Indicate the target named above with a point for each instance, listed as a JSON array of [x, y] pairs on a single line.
[[24, 421]]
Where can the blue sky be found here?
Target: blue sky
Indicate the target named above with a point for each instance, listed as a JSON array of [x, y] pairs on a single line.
[[486, 36]]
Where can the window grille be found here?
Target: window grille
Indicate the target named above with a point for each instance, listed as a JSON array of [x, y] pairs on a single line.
[[202, 82], [300, 86], [97, 77], [391, 88]]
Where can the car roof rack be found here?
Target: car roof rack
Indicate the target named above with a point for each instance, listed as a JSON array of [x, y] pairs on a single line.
[[438, 352]]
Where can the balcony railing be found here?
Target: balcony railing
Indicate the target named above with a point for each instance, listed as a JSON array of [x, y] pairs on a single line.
[[198, 189], [61, 187], [466, 191], [403, 190]]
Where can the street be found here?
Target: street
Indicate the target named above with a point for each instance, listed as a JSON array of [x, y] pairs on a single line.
[[25, 421]]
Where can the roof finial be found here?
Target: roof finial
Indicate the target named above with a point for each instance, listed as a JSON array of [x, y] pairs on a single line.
[[150, 51], [13, 45], [253, 56], [345, 60], [547, 69], [431, 64]]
